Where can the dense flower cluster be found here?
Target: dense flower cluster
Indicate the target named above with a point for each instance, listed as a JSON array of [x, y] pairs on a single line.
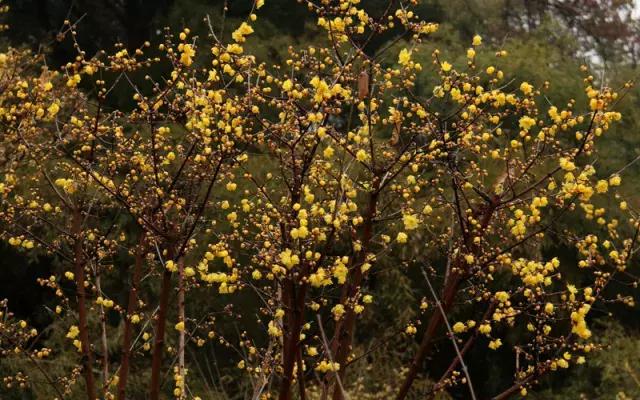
[[295, 183]]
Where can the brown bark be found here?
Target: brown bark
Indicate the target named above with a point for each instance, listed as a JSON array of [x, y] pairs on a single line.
[[104, 343], [294, 311], [301, 382], [456, 361], [87, 353], [343, 335], [449, 293], [158, 343], [294, 303], [181, 318], [451, 288], [132, 307]]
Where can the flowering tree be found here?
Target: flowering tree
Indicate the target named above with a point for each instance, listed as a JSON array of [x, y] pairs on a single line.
[[284, 191]]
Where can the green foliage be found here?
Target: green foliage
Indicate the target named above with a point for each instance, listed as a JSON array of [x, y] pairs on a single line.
[[611, 373]]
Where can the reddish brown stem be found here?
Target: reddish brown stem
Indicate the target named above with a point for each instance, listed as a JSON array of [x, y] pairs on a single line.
[[301, 381], [456, 361], [87, 354], [181, 318], [343, 335], [451, 288], [513, 389], [294, 303], [103, 339], [158, 343], [449, 293], [132, 306]]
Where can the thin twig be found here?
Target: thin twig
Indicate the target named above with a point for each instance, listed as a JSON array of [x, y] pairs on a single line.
[[451, 334], [325, 343]]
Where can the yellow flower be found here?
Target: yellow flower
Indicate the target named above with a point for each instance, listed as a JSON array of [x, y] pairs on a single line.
[[73, 332], [429, 28], [340, 273], [289, 259], [259, 4], [615, 180], [404, 57], [323, 91], [596, 104], [410, 221], [234, 48], [402, 237], [187, 53], [446, 67], [502, 296], [471, 53], [74, 80], [171, 266], [362, 155], [485, 329], [566, 164], [319, 278], [602, 186], [68, 185], [243, 30], [274, 330], [338, 311], [548, 308], [527, 122], [459, 327], [325, 366], [477, 40], [526, 88]]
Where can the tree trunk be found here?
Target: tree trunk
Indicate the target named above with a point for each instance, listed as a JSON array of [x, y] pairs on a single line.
[[132, 307], [294, 303], [87, 353], [158, 343], [343, 335], [181, 318], [449, 292]]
